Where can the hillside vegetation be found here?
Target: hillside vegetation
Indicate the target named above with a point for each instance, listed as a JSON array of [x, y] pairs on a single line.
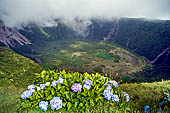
[[14, 68], [16, 72], [12, 86]]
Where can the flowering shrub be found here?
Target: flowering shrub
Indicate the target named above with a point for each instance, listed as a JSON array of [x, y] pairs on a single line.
[[165, 100], [61, 90]]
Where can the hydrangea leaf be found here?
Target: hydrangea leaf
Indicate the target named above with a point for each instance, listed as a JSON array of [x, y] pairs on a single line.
[[69, 105]]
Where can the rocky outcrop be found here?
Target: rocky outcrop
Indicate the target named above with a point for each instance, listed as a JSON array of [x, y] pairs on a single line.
[[163, 57], [112, 34], [10, 36]]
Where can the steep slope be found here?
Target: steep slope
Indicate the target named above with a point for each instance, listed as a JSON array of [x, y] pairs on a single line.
[[16, 72], [15, 69], [146, 94], [147, 38]]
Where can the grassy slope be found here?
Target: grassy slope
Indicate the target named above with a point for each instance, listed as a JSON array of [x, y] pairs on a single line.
[[16, 72], [145, 93], [12, 65]]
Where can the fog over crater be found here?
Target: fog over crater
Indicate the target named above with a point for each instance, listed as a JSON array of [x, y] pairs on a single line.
[[16, 13]]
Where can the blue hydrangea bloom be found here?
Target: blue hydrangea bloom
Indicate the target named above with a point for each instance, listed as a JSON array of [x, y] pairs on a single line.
[[56, 103], [107, 94], [77, 98], [167, 99], [127, 96], [42, 86], [31, 86], [26, 94], [161, 103], [60, 80], [115, 84], [76, 87], [115, 98], [43, 105], [32, 90], [167, 94], [146, 108], [87, 86], [106, 84], [166, 90], [108, 87], [54, 83], [88, 82]]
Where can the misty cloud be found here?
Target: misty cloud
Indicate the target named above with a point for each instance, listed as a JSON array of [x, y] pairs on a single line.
[[43, 12]]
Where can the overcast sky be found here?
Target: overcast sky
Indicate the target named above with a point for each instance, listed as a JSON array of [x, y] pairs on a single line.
[[17, 12]]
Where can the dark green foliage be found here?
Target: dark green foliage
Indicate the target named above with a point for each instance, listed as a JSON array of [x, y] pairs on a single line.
[[147, 38], [126, 79], [152, 73], [87, 98]]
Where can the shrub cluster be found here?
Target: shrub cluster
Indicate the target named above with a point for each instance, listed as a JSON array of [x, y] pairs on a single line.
[[165, 100], [54, 90]]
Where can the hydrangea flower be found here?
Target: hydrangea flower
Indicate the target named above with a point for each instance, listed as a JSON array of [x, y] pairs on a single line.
[[108, 87], [32, 90], [60, 80], [167, 99], [43, 105], [105, 84], [31, 86], [146, 108], [77, 98], [47, 83], [76, 87], [127, 96], [114, 83], [38, 88], [115, 98], [88, 84], [54, 83], [56, 103], [107, 94], [26, 94], [161, 103], [166, 93], [167, 90], [42, 86]]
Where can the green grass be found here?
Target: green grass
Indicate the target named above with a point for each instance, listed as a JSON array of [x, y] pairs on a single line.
[[145, 93], [16, 72], [14, 68]]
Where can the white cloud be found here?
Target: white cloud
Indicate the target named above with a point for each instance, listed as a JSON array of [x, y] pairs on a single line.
[[18, 12]]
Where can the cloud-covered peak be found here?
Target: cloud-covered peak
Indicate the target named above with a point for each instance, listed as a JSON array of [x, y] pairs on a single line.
[[43, 12]]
